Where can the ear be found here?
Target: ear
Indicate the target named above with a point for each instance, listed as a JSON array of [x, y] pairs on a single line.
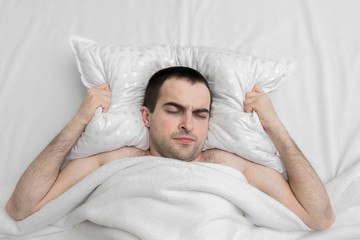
[[146, 116]]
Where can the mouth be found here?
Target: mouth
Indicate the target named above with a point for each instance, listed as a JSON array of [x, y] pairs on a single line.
[[185, 140]]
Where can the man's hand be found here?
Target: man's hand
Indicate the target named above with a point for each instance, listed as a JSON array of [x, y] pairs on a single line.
[[305, 195], [40, 176], [99, 96], [257, 100]]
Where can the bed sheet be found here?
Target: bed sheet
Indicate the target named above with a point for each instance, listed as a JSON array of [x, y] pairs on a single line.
[[40, 87]]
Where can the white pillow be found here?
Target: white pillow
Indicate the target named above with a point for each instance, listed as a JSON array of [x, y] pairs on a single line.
[[127, 69]]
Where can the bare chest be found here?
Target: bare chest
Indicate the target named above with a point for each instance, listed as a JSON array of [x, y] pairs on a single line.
[[225, 158]]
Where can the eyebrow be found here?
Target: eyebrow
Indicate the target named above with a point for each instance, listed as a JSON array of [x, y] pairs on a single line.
[[182, 108]]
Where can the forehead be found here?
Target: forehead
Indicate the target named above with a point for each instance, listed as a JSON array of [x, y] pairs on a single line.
[[181, 91]]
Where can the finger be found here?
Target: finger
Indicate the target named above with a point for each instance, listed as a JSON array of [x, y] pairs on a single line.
[[257, 89], [248, 109], [101, 92], [249, 105], [100, 98], [105, 93], [253, 89], [104, 86], [105, 103], [107, 87], [251, 94], [105, 108]]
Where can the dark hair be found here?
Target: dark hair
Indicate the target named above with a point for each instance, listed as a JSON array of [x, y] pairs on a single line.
[[157, 80]]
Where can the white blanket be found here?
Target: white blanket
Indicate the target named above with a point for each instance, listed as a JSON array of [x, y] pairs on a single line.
[[40, 91], [159, 198]]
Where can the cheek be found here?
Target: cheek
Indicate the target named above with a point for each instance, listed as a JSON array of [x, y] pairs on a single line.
[[202, 129], [167, 125], [160, 123]]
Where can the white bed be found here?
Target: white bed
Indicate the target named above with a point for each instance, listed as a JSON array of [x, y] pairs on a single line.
[[40, 88]]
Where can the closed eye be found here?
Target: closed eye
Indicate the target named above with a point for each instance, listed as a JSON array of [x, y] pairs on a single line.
[[201, 115], [175, 108], [172, 111]]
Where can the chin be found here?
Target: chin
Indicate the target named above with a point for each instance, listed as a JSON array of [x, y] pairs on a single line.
[[188, 158]]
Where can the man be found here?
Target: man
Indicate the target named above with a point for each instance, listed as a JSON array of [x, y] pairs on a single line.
[[176, 111]]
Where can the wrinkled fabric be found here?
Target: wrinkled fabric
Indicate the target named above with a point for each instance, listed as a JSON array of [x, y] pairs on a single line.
[[128, 69]]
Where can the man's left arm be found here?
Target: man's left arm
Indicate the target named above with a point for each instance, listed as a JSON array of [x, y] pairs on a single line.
[[304, 193]]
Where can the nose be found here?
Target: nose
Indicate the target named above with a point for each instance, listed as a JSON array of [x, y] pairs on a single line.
[[187, 122]]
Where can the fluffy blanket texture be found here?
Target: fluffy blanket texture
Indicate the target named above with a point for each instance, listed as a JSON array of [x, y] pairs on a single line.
[[160, 198]]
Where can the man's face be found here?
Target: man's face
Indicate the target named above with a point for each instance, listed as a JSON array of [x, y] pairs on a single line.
[[179, 124]]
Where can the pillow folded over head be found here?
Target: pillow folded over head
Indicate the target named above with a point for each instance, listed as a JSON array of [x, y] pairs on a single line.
[[128, 69]]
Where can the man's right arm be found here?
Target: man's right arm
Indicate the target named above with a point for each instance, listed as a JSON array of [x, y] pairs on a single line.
[[35, 184], [78, 169]]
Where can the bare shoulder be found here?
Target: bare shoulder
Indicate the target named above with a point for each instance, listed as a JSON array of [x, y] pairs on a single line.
[[78, 169], [225, 158], [123, 152]]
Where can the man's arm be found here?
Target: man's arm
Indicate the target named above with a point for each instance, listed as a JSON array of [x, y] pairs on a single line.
[[78, 169], [304, 193], [40, 176]]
